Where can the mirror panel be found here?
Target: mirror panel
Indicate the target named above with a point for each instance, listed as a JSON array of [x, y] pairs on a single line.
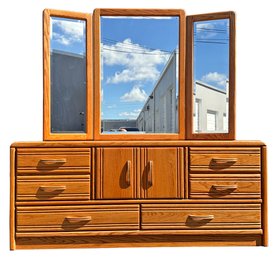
[[211, 76], [139, 84], [68, 75]]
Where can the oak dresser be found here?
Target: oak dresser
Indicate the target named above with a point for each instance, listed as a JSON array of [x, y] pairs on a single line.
[[114, 194]]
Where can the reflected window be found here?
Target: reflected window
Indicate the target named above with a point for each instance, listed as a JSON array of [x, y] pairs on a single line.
[[139, 74]]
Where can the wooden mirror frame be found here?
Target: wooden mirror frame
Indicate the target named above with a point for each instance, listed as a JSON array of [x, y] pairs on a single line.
[[47, 134], [97, 73], [190, 78]]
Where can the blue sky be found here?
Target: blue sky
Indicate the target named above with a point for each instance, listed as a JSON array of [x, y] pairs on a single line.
[[211, 52], [68, 35], [134, 52]]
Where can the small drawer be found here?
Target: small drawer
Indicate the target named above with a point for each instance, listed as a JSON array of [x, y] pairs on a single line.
[[201, 216], [225, 186], [40, 188], [220, 159], [53, 160], [77, 218]]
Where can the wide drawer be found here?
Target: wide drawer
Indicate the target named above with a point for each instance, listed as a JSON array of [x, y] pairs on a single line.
[[224, 159], [201, 216], [225, 186], [53, 160], [57, 187], [77, 218]]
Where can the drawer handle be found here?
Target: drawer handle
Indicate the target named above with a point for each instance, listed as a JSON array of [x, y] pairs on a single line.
[[224, 160], [52, 161], [73, 219], [49, 189], [224, 187], [149, 180], [128, 173], [201, 217]]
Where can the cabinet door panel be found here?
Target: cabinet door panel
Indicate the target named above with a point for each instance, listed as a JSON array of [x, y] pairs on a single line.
[[162, 174], [116, 173]]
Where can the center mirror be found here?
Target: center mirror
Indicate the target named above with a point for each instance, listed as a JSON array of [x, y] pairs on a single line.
[[139, 82]]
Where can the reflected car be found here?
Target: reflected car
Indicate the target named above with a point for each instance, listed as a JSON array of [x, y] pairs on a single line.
[[129, 129]]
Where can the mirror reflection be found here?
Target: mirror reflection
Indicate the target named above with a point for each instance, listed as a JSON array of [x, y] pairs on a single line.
[[211, 76], [139, 74], [68, 75]]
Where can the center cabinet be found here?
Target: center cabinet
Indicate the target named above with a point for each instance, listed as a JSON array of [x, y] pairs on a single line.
[[134, 172]]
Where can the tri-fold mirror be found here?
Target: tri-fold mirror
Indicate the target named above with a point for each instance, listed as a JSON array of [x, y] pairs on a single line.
[[136, 87]]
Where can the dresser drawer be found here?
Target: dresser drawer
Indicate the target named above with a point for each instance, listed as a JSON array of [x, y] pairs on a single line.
[[222, 159], [29, 188], [225, 186], [201, 216], [77, 218], [53, 160]]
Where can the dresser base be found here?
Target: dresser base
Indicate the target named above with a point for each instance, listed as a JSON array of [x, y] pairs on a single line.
[[137, 241]]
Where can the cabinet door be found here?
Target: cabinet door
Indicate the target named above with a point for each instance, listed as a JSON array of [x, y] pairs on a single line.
[[116, 173], [162, 173]]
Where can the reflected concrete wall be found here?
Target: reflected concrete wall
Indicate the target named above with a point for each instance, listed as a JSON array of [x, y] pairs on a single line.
[[68, 92]]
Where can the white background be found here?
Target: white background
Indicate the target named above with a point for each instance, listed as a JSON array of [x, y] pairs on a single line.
[[21, 97]]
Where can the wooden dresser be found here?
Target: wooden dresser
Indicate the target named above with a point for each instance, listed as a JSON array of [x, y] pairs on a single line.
[[133, 193]]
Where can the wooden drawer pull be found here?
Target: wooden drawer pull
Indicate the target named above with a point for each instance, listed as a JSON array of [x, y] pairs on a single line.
[[201, 217], [49, 189], [74, 219], [128, 173], [224, 187], [149, 179], [224, 160], [52, 161]]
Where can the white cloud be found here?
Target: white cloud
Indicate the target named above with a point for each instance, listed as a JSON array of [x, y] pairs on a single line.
[[137, 63], [204, 30], [112, 106], [102, 95], [136, 94], [130, 115], [67, 32], [216, 78], [203, 25]]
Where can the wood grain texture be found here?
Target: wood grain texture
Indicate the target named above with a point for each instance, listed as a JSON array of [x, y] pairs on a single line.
[[166, 173], [225, 186], [139, 201], [164, 232], [190, 76], [47, 134], [264, 196], [224, 216], [41, 160], [115, 180], [49, 223], [225, 160], [141, 143], [59, 218], [138, 241], [12, 197], [49, 188], [97, 73]]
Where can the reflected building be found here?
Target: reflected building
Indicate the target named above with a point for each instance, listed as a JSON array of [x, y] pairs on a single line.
[[210, 112], [159, 114], [68, 91]]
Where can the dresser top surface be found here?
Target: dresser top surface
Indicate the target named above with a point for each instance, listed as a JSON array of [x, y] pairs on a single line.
[[179, 143]]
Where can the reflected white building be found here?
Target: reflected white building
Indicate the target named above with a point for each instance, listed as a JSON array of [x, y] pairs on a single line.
[[210, 112]]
